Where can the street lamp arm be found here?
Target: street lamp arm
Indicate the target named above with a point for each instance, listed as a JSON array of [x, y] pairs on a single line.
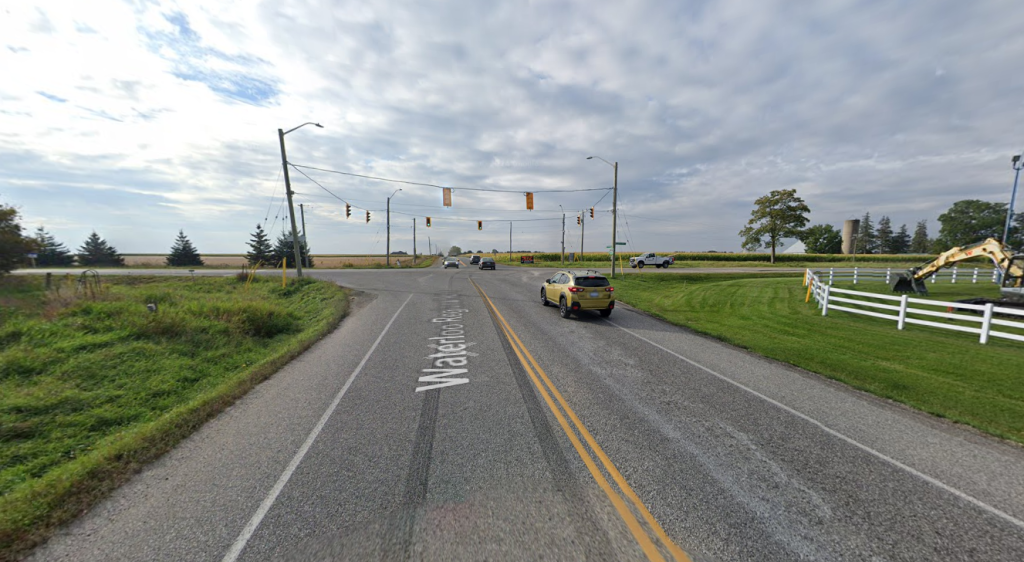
[[601, 159], [301, 126]]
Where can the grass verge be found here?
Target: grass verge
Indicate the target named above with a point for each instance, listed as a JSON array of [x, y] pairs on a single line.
[[948, 374], [93, 386]]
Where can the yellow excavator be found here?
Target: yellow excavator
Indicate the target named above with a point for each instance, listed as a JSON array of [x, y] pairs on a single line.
[[1010, 266]]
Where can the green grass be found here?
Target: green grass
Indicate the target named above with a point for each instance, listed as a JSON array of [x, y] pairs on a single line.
[[948, 374], [92, 388]]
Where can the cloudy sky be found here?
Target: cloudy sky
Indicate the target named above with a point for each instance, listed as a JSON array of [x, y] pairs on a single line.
[[137, 119]]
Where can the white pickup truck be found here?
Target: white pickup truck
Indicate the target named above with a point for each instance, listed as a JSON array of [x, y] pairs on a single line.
[[651, 259]]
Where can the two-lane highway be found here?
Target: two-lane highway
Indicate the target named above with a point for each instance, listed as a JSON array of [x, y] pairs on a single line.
[[452, 416]]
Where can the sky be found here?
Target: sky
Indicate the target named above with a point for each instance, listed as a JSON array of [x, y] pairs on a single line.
[[137, 119]]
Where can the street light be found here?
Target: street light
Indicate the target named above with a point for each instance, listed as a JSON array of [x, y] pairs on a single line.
[[615, 199], [389, 227], [288, 191], [1016, 163]]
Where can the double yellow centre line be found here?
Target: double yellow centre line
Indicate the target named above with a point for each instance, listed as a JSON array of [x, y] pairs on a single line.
[[534, 370]]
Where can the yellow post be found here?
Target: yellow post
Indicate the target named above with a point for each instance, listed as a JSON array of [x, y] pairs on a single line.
[[809, 287], [284, 272]]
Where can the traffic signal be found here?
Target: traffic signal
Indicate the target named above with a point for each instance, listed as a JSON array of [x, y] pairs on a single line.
[[348, 210], [579, 220], [529, 201], [367, 216], [591, 212], [479, 225], [428, 222]]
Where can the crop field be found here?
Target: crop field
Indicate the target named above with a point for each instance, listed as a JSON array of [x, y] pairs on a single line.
[[236, 261]]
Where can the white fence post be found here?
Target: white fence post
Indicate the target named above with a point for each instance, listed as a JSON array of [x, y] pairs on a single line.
[[830, 276], [935, 277], [855, 276], [888, 272], [954, 275], [986, 322], [974, 278], [903, 312], [824, 302]]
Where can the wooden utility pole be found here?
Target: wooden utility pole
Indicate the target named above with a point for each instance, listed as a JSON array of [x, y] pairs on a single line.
[[414, 241]]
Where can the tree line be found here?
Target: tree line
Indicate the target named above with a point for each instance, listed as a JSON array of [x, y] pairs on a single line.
[[95, 251], [782, 214]]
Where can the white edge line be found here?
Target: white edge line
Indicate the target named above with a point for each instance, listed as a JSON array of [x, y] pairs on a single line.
[[257, 517], [962, 495]]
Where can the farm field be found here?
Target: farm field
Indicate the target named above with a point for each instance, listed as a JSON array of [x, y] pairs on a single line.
[[233, 261]]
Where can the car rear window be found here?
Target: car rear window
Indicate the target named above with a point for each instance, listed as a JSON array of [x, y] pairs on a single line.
[[592, 282]]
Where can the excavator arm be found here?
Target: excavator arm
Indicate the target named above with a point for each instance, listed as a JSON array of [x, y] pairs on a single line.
[[913, 279]]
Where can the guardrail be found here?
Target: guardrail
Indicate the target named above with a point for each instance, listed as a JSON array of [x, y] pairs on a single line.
[[906, 310]]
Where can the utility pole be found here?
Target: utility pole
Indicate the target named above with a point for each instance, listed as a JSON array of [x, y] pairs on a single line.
[[430, 248], [583, 231], [509, 241], [305, 255], [414, 241], [615, 214], [291, 208], [563, 238], [388, 250]]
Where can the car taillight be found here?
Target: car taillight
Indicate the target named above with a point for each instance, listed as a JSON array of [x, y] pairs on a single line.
[[575, 289], [609, 289]]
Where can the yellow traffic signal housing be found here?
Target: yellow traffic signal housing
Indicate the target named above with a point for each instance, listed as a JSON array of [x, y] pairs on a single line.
[[529, 201], [367, 216], [479, 225], [428, 222], [591, 212], [579, 220], [447, 197], [348, 210]]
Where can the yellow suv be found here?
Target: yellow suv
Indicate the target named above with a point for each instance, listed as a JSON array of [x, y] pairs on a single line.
[[574, 291]]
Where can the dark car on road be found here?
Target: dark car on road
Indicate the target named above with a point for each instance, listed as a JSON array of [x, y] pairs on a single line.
[[487, 263], [474, 260]]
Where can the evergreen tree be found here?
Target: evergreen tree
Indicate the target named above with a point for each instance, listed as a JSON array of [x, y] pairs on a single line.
[[867, 240], [96, 251], [260, 250], [920, 244], [13, 246], [51, 252], [183, 253], [285, 249], [901, 241], [883, 236]]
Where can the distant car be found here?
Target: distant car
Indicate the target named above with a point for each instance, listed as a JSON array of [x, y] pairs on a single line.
[[451, 262], [474, 260], [574, 291], [487, 263]]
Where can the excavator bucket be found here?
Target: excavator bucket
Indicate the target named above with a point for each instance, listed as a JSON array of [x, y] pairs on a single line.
[[907, 284]]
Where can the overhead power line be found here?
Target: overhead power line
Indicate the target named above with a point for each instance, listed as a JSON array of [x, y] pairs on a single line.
[[531, 190]]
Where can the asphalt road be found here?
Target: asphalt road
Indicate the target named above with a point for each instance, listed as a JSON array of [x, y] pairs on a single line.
[[452, 416]]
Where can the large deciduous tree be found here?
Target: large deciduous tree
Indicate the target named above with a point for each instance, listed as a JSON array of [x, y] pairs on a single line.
[[822, 239], [50, 252], [13, 245], [969, 221], [183, 253], [260, 250], [96, 251], [454, 251], [780, 214]]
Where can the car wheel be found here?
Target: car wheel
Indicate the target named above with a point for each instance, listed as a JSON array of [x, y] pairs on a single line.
[[632, 266], [544, 298], [640, 265], [605, 313], [563, 308]]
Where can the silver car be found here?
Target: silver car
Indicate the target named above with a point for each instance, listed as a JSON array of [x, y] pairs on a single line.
[[451, 262]]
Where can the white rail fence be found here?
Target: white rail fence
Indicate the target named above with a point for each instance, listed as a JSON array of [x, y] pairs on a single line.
[[906, 310], [953, 274]]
